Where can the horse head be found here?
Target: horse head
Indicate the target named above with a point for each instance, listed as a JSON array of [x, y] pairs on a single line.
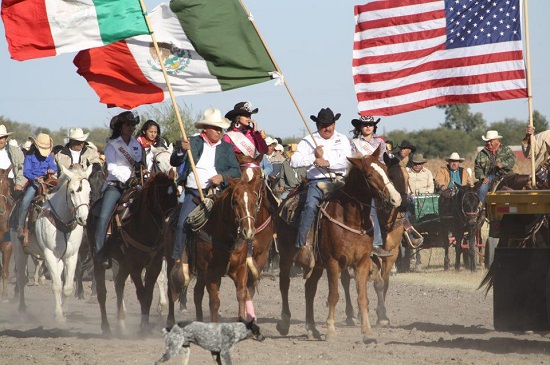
[[469, 203], [78, 191], [398, 176], [374, 174], [161, 161], [158, 196], [244, 203]]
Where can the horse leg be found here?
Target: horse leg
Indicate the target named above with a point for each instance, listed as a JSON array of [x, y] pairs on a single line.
[[171, 318], [362, 271], [146, 297], [162, 282], [7, 252], [21, 258], [241, 278], [214, 297], [183, 299], [310, 291], [198, 295], [458, 248], [380, 289], [70, 267], [120, 283], [345, 279], [333, 273], [285, 265], [472, 241], [418, 263], [55, 267]]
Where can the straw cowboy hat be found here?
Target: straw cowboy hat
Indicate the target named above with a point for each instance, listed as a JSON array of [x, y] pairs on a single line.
[[43, 143], [4, 131], [124, 117], [212, 118], [491, 135], [454, 157], [357, 123], [78, 134], [242, 108], [269, 141], [325, 116], [418, 158]]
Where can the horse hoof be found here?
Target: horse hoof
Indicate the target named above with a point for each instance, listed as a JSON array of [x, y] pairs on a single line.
[[350, 322], [368, 340], [314, 334], [282, 328], [384, 323]]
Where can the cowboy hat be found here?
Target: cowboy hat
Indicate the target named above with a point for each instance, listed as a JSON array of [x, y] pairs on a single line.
[[418, 159], [279, 147], [124, 117], [269, 141], [43, 143], [212, 118], [325, 116], [369, 119], [454, 157], [77, 134], [26, 145], [491, 135], [4, 131], [242, 108], [407, 144]]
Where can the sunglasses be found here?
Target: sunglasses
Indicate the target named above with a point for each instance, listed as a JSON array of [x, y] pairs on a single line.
[[369, 124]]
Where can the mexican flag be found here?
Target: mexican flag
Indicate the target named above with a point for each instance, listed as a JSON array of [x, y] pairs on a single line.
[[206, 46], [43, 28]]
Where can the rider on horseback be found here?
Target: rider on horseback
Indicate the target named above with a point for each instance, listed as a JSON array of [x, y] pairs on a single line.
[[123, 155], [39, 162], [322, 162], [77, 151], [215, 163], [12, 156]]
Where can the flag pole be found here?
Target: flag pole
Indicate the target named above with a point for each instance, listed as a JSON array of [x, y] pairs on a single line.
[[529, 95], [278, 70], [172, 97]]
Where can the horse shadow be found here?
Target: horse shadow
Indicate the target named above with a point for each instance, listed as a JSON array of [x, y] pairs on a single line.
[[41, 332], [452, 329]]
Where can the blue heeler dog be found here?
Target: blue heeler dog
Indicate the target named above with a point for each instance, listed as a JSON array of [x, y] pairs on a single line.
[[218, 338]]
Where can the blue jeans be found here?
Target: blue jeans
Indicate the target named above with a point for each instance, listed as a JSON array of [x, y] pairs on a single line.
[[484, 189], [180, 239], [376, 226], [30, 193], [314, 197], [110, 199]]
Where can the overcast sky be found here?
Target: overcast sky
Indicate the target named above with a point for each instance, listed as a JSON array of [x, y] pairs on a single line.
[[312, 43]]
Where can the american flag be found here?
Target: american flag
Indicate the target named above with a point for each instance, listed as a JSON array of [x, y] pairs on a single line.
[[413, 54]]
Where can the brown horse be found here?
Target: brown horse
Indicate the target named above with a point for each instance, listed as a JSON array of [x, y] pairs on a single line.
[[136, 245], [6, 203], [344, 241]]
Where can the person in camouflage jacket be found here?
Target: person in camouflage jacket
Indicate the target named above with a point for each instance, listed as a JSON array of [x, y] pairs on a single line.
[[494, 158]]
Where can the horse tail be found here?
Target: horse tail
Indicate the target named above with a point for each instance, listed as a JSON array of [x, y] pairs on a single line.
[[488, 280]]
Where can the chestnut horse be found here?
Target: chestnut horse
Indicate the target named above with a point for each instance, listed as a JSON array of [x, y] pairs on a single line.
[[6, 203], [136, 245], [345, 240]]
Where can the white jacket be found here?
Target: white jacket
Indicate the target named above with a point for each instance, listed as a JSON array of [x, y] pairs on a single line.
[[118, 165]]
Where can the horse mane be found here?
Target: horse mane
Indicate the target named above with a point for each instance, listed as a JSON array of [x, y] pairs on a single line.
[[135, 207]]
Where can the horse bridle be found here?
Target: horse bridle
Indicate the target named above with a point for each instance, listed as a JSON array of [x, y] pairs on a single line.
[[379, 194], [470, 215], [155, 167]]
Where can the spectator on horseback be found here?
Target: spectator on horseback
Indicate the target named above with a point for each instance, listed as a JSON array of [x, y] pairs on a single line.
[[290, 177], [39, 163], [215, 162], [244, 135], [365, 142], [421, 180], [405, 153], [77, 151], [12, 157], [540, 150], [149, 136], [123, 155], [389, 148], [495, 159], [276, 159], [451, 173], [324, 155]]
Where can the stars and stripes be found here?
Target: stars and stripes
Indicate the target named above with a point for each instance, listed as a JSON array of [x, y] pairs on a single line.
[[412, 54]]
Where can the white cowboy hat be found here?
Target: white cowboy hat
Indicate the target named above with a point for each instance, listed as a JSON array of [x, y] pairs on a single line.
[[269, 141], [491, 135], [43, 143], [26, 145], [78, 134], [213, 118], [13, 143], [454, 157], [279, 147], [4, 131]]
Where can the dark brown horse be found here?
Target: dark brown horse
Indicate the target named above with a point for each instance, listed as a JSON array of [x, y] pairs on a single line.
[[6, 203], [136, 245], [345, 240]]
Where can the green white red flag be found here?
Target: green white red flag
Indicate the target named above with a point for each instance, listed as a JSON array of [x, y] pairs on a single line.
[[44, 28], [207, 46]]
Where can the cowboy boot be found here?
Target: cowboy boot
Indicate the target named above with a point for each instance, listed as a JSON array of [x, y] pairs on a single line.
[[304, 257], [23, 236], [380, 252]]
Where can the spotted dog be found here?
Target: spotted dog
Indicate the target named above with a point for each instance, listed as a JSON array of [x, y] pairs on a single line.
[[218, 338]]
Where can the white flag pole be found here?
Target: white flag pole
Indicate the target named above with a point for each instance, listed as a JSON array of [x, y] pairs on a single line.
[[529, 95], [172, 97]]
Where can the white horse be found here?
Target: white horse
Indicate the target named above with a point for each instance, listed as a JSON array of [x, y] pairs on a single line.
[[58, 235]]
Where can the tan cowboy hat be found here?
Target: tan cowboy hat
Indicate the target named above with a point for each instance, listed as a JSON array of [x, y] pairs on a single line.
[[78, 134], [491, 135], [43, 143], [4, 131], [213, 117], [454, 157], [418, 158], [269, 141]]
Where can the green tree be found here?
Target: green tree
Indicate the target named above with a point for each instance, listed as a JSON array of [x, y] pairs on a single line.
[[539, 121], [512, 130], [165, 116], [459, 117]]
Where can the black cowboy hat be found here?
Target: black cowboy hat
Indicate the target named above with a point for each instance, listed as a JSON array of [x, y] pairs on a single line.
[[124, 117], [357, 123], [325, 116], [242, 108], [407, 144]]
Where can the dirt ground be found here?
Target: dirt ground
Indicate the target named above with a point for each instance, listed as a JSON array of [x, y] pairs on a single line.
[[436, 317]]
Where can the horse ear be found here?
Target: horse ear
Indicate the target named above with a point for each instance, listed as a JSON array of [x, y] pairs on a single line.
[[172, 174], [89, 170], [356, 161], [65, 171], [376, 152]]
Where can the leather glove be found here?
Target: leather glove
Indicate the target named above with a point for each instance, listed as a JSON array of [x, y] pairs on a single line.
[[132, 182]]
